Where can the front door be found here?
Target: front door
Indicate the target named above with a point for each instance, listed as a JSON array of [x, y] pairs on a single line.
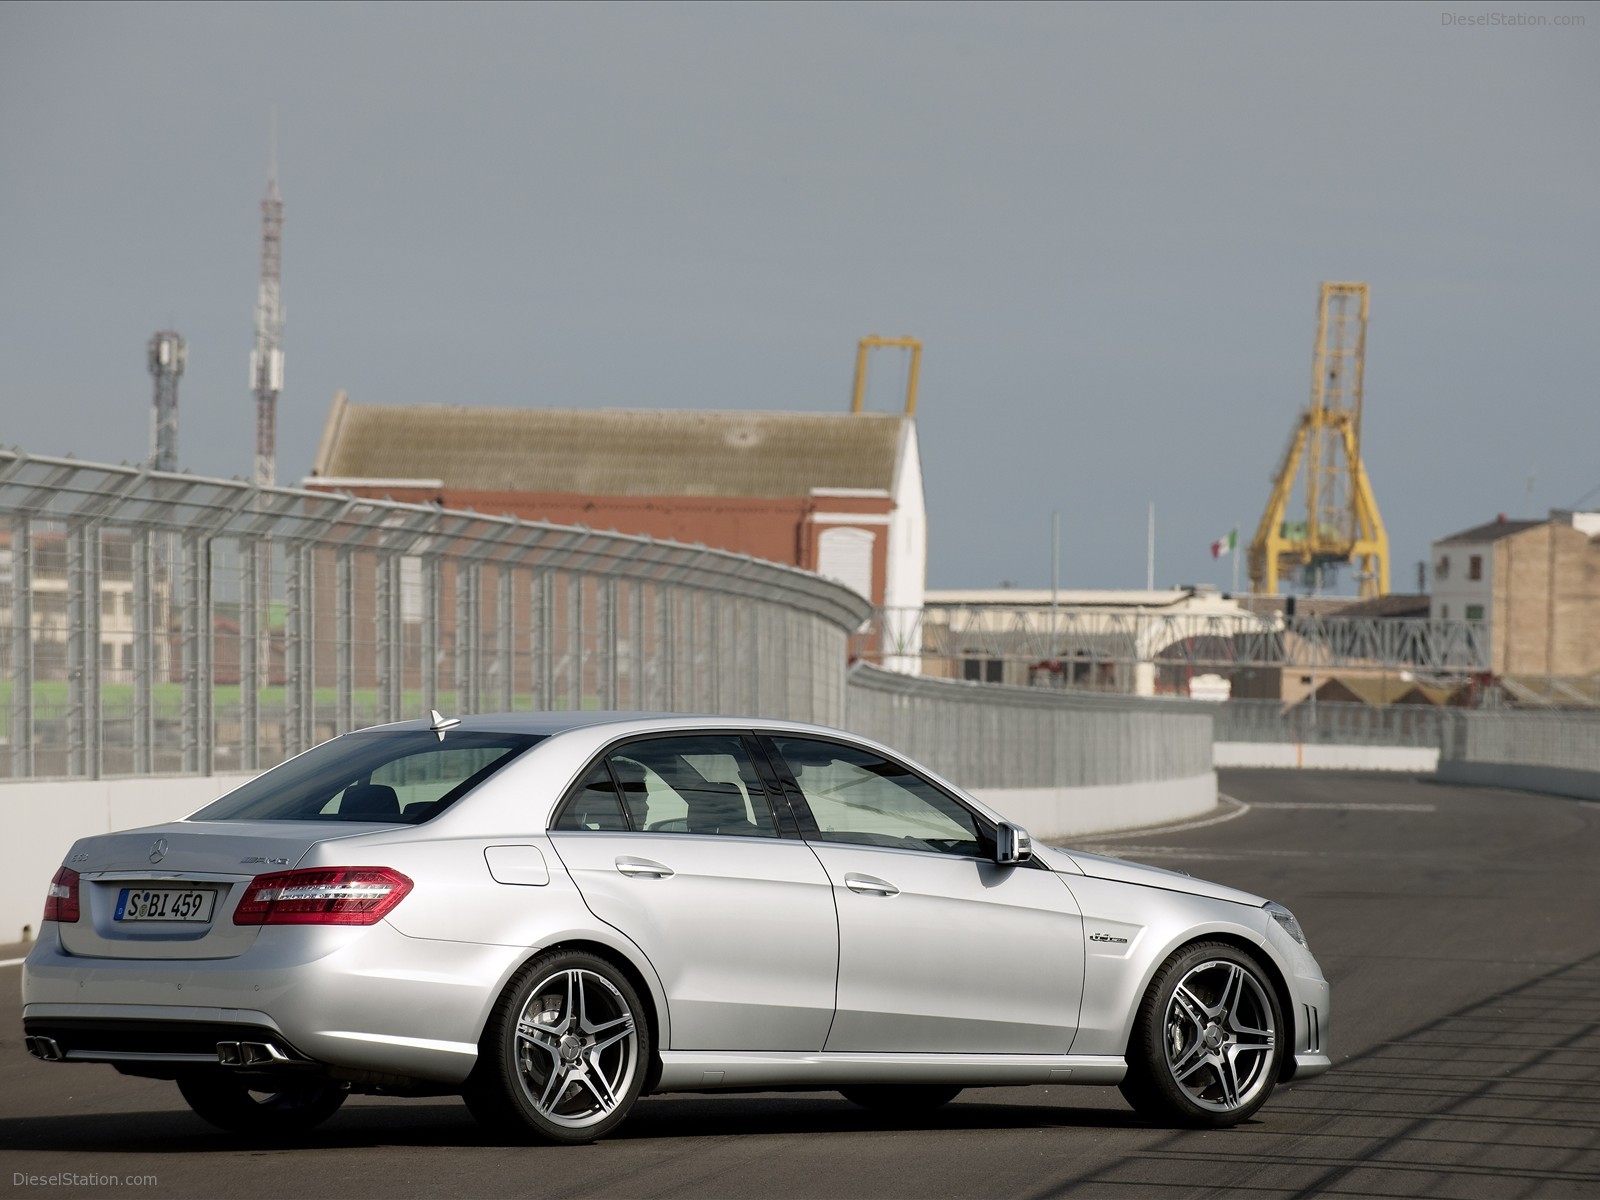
[[941, 950]]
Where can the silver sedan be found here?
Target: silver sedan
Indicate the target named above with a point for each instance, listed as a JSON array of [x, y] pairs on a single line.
[[553, 914]]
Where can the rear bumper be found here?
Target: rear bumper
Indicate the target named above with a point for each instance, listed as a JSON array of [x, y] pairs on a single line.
[[335, 1001]]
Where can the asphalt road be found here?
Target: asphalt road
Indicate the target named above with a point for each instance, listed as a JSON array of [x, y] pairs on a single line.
[[1460, 929]]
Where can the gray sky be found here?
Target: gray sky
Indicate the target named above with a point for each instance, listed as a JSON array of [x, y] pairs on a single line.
[[1107, 224]]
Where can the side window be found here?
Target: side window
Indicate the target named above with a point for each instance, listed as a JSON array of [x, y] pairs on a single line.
[[701, 785], [594, 804], [862, 798]]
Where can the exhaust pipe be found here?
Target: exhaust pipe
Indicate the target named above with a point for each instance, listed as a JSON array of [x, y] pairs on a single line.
[[251, 1054], [44, 1048]]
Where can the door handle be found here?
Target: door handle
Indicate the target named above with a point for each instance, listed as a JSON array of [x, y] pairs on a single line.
[[870, 885], [645, 867]]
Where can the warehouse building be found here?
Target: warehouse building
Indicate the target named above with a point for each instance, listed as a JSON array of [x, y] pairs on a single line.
[[835, 493]]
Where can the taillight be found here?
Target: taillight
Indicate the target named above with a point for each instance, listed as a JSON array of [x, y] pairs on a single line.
[[61, 901], [322, 896]]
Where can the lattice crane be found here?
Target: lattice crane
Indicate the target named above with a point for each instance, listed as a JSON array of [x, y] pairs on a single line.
[[1342, 524]]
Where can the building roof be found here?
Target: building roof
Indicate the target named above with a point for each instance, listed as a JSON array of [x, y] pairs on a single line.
[[1394, 605], [1493, 531], [612, 452]]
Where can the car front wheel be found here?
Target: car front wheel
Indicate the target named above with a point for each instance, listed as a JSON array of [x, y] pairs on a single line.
[[564, 1052], [260, 1108], [1207, 1043]]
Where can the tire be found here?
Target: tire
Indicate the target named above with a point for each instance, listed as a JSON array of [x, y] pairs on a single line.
[[901, 1097], [251, 1106], [564, 1054], [1207, 1042]]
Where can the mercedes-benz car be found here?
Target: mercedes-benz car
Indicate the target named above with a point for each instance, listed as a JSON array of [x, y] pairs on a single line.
[[554, 914]]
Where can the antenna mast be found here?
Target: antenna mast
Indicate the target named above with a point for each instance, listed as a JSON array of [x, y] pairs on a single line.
[[266, 360], [168, 354]]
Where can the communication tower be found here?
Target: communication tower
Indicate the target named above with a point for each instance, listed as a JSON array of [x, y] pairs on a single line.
[[168, 353], [266, 360], [1342, 524]]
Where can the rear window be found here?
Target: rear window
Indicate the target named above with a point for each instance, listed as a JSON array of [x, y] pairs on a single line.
[[390, 778]]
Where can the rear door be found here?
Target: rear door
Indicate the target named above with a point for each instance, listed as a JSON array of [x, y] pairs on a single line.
[[941, 950], [673, 841]]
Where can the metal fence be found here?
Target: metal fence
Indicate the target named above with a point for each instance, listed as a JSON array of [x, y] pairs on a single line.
[[994, 736], [1332, 723], [1563, 740], [153, 623]]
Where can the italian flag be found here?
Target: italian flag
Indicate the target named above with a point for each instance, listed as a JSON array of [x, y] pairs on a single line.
[[1225, 544]]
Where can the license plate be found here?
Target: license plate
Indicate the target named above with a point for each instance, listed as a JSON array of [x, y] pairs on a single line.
[[165, 904]]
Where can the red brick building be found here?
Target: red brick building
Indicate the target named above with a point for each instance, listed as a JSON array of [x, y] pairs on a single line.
[[835, 493]]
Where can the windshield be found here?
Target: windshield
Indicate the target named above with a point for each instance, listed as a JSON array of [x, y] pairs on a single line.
[[390, 778]]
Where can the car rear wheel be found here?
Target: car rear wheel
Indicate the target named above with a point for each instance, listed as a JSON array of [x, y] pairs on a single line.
[[901, 1097], [254, 1106], [1206, 1047], [564, 1053]]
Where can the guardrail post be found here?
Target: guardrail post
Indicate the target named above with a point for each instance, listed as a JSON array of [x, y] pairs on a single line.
[[21, 647], [431, 633], [504, 647], [85, 724], [252, 551], [197, 683], [541, 640], [344, 623], [468, 639], [606, 643]]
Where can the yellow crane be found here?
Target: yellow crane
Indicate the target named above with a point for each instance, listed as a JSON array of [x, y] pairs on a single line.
[[873, 342], [1342, 524]]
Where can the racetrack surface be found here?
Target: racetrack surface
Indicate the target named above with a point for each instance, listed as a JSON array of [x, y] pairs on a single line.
[[1460, 929]]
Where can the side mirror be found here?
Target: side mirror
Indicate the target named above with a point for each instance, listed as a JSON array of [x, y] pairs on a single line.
[[1012, 845]]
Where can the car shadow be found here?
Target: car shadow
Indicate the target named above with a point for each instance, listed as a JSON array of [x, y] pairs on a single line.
[[443, 1123]]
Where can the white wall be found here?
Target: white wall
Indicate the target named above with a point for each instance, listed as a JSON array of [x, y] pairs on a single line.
[[908, 542], [1454, 591], [43, 819], [1060, 814], [1313, 757]]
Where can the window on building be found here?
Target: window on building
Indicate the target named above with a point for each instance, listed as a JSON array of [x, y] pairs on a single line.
[[1474, 612], [983, 670], [1441, 569], [1475, 567], [1444, 612]]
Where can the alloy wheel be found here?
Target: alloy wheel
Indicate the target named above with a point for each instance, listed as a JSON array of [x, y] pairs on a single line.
[[1219, 1036], [577, 1048]]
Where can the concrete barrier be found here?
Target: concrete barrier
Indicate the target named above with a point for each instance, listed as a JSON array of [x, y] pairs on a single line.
[[43, 819], [1522, 777], [1062, 814], [1314, 756]]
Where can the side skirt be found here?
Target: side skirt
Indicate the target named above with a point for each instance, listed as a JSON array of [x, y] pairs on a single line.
[[705, 1070]]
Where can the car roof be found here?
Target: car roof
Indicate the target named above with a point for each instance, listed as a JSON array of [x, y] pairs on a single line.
[[549, 723]]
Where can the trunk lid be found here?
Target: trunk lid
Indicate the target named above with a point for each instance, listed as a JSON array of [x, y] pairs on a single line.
[[169, 891]]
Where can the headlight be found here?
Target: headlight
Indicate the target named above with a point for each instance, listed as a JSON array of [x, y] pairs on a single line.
[[1284, 917]]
